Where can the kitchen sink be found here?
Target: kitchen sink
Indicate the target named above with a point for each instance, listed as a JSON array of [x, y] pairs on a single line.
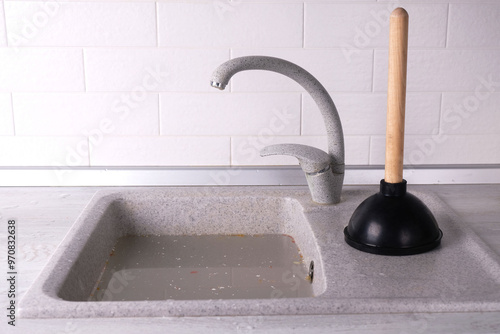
[[228, 251]]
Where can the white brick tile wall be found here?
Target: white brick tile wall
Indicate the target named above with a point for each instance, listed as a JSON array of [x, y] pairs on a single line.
[[45, 23], [357, 150], [217, 24], [161, 151], [44, 151], [245, 150], [467, 19], [331, 67], [441, 70], [151, 69], [6, 119], [145, 65], [358, 26], [471, 113], [85, 114], [366, 113], [442, 149], [41, 69], [230, 114]]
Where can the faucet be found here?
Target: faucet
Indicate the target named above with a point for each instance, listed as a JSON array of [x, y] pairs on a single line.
[[324, 171]]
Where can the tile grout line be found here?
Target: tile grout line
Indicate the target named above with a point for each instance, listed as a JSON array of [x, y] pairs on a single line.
[[200, 92], [84, 72], [301, 114], [230, 151], [373, 71], [157, 24], [303, 25], [159, 114], [369, 150], [5, 24], [90, 150], [447, 36], [204, 48], [12, 112], [441, 112]]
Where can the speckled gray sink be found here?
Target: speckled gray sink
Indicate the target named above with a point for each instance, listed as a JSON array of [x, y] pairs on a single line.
[[461, 275]]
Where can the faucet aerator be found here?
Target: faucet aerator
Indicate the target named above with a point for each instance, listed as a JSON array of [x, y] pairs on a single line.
[[217, 85]]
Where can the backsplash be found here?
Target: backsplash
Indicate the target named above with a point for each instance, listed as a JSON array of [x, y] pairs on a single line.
[[123, 83]]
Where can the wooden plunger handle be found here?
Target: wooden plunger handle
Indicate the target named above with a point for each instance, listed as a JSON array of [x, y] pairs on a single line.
[[396, 96]]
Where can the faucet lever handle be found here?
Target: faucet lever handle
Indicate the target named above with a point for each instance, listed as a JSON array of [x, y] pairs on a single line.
[[311, 159], [322, 182]]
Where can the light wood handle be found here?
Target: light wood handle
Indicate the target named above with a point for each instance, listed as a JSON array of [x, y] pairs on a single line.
[[396, 96]]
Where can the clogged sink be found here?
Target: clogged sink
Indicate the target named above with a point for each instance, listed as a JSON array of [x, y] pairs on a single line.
[[215, 251], [191, 267], [181, 244]]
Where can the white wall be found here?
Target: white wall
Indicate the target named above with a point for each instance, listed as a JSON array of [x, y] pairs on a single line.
[[122, 83]]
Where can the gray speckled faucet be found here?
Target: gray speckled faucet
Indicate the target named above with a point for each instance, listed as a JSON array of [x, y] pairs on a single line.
[[324, 172]]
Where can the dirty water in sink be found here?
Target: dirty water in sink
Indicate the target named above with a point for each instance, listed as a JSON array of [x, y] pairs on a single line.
[[191, 267]]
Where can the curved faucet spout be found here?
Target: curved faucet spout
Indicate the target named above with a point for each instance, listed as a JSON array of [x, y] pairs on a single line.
[[335, 136]]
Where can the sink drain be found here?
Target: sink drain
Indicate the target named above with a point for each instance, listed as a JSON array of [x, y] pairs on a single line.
[[311, 272]]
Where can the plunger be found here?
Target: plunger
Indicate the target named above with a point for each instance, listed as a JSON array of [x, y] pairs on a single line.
[[394, 222]]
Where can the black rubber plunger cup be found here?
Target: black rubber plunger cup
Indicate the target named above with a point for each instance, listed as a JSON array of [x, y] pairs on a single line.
[[394, 222]]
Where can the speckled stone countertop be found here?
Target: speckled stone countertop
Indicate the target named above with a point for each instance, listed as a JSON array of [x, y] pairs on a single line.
[[44, 216]]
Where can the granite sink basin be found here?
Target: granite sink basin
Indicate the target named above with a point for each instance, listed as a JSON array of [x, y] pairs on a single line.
[[271, 251]]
